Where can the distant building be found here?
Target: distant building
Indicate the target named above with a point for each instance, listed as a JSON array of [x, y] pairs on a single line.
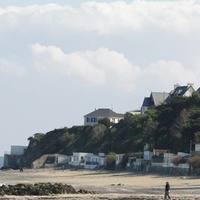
[[197, 148], [94, 161], [135, 112], [18, 150], [51, 161], [1, 161], [14, 159], [93, 117], [185, 91], [155, 99], [119, 158], [88, 160], [78, 158]]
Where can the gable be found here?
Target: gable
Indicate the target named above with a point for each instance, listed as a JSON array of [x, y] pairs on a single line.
[[155, 99], [159, 97], [182, 91]]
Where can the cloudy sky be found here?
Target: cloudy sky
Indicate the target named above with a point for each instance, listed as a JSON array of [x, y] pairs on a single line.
[[59, 60]]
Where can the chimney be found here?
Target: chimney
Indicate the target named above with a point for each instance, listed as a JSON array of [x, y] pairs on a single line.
[[190, 85], [176, 85]]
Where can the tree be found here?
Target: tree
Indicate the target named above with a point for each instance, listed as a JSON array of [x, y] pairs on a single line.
[[105, 121], [129, 118]]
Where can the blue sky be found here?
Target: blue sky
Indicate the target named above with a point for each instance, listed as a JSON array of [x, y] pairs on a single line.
[[60, 61]]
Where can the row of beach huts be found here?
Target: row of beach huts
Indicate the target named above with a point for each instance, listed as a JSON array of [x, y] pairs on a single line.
[[158, 160]]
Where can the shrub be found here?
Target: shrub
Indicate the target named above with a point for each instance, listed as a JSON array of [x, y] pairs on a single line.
[[111, 161], [124, 160], [195, 162], [178, 160]]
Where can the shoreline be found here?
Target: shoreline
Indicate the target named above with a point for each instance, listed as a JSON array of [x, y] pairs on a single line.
[[107, 185], [99, 197]]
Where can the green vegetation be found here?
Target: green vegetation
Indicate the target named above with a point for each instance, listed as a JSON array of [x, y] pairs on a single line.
[[110, 161], [195, 162], [169, 126]]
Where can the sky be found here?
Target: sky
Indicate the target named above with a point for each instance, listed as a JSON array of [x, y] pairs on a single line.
[[59, 60]]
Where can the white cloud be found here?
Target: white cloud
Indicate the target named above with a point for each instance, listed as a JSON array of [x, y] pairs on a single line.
[[108, 18], [163, 74], [106, 67], [98, 67]]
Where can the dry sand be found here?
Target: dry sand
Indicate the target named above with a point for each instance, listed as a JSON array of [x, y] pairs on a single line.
[[107, 185]]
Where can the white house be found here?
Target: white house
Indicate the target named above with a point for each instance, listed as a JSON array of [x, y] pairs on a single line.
[[93, 117], [119, 158], [185, 91], [167, 159], [197, 147], [92, 161], [88, 160], [147, 155], [60, 158], [78, 158]]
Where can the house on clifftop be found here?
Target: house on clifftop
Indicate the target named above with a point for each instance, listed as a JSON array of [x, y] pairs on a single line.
[[185, 91], [157, 98], [93, 117]]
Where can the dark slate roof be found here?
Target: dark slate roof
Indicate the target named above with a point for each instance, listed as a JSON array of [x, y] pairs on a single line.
[[198, 90], [147, 102], [179, 91], [104, 112]]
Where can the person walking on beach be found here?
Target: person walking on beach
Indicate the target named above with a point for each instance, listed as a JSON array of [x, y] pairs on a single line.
[[167, 187]]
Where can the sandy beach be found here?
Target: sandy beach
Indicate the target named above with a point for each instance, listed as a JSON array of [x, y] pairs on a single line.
[[106, 185]]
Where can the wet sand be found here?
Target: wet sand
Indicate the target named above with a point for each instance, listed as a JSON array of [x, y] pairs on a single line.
[[106, 185]]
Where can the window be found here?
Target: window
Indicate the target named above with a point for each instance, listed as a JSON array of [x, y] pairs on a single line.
[[75, 158], [88, 119]]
